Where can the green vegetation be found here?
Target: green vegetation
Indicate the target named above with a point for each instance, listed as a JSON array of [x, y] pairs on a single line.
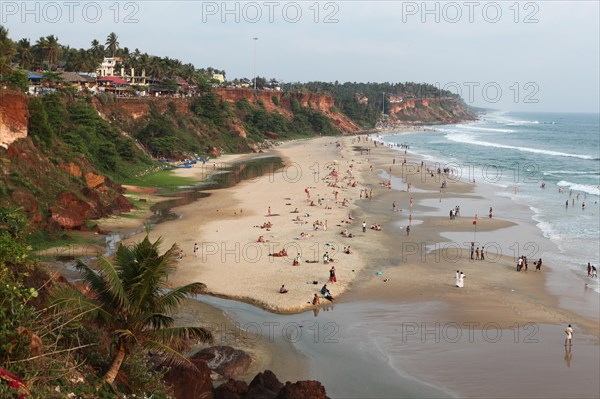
[[348, 96], [59, 343], [130, 299], [259, 123], [163, 179]]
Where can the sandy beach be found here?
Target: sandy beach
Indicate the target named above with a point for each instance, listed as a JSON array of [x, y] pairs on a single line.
[[387, 266]]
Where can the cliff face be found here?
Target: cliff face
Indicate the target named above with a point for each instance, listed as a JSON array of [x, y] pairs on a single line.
[[137, 107], [13, 117], [323, 103], [57, 196], [430, 111]]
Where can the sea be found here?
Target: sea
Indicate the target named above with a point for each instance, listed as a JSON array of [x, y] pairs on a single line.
[[549, 162]]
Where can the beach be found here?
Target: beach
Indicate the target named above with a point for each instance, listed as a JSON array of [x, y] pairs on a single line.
[[387, 269]]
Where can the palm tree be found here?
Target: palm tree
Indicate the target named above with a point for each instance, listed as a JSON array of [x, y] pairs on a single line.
[[129, 297], [7, 50], [52, 50], [112, 43], [25, 54], [96, 52]]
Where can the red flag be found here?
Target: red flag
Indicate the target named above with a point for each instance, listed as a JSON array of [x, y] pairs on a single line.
[[474, 221]]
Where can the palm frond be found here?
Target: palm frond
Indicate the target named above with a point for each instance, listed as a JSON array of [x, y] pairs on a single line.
[[147, 321], [176, 336], [73, 301], [98, 284], [113, 284], [173, 356], [155, 270], [170, 301]]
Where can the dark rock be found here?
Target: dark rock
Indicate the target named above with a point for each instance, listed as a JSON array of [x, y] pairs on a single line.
[[225, 360], [190, 383], [264, 386], [303, 390], [232, 389]]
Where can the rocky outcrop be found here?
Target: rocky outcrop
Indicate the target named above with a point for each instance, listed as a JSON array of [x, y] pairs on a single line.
[[73, 169], [93, 180], [302, 390], [71, 211], [266, 386], [225, 360], [57, 197], [14, 113], [232, 389], [189, 382]]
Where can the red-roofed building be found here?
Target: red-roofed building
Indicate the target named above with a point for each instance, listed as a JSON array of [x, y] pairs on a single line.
[[112, 84]]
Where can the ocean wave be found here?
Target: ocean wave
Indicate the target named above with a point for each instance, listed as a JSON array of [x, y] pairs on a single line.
[[467, 139], [521, 123], [485, 129], [572, 172], [586, 188]]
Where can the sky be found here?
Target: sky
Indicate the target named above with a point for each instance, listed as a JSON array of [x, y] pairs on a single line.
[[531, 56]]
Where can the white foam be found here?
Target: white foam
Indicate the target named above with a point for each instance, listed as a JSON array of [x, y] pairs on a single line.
[[467, 139], [586, 188], [485, 129], [520, 123], [572, 172]]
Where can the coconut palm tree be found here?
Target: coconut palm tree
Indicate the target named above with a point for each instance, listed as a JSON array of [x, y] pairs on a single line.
[[130, 297], [112, 43], [7, 50], [52, 50], [24, 53]]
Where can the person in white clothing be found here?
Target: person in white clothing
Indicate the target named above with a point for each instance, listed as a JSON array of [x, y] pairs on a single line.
[[569, 339], [457, 279], [461, 280]]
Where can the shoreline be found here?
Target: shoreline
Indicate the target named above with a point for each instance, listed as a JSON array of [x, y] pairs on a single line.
[[494, 292], [461, 189]]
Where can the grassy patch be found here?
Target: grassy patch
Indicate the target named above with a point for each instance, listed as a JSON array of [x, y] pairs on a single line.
[[163, 178], [40, 240]]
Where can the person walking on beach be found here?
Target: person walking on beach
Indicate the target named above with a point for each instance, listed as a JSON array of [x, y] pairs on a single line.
[[490, 212], [407, 230], [269, 212], [589, 269], [394, 206], [332, 277], [461, 280], [477, 254], [364, 226], [196, 249], [482, 253], [569, 339], [457, 279], [538, 265], [594, 272], [472, 249]]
